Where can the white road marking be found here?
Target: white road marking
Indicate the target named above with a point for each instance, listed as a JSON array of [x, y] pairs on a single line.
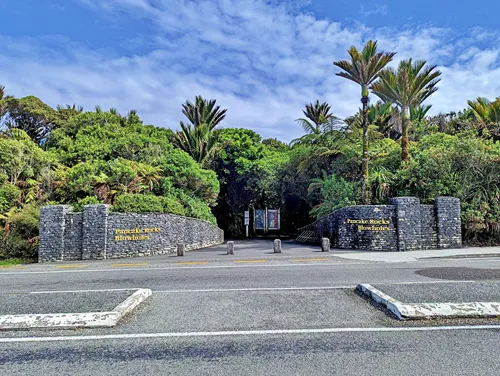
[[259, 289], [70, 291], [338, 287], [245, 333]]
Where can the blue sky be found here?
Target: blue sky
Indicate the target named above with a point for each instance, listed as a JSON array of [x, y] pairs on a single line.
[[262, 59]]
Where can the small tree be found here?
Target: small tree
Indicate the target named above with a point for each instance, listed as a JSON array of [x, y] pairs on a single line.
[[364, 69], [408, 86]]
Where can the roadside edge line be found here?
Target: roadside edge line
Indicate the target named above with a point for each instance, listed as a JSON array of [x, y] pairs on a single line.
[[245, 333]]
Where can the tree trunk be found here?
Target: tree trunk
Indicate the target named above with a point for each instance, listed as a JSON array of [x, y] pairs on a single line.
[[365, 194], [405, 156]]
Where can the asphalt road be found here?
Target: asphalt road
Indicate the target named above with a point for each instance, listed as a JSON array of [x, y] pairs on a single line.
[[287, 316], [458, 352]]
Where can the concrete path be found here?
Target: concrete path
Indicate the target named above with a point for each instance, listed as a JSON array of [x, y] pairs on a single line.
[[419, 255]]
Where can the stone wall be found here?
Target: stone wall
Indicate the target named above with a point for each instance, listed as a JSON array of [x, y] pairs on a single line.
[[173, 230], [428, 227], [449, 226], [405, 225], [97, 234]]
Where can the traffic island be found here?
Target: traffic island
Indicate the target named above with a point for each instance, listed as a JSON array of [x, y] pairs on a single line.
[[68, 309], [436, 300]]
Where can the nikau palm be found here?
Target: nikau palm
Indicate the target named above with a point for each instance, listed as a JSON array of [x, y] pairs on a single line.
[[319, 123], [408, 86], [364, 69], [487, 114], [199, 139], [316, 115], [203, 112]]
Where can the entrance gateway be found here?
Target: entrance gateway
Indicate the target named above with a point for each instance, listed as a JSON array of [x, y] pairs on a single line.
[[404, 225]]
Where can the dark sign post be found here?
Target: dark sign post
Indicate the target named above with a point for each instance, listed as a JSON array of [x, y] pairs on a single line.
[[247, 221]]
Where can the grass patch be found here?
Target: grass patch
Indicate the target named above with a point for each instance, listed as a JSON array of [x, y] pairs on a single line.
[[14, 261]]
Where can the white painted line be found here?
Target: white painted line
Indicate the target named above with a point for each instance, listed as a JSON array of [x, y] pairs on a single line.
[[250, 288], [338, 287], [428, 310], [424, 282], [259, 289], [245, 333], [70, 291], [75, 320]]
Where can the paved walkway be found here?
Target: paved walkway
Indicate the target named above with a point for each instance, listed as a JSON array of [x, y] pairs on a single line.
[[420, 255]]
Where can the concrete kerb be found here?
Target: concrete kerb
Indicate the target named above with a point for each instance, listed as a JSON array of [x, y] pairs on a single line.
[[415, 311], [75, 320]]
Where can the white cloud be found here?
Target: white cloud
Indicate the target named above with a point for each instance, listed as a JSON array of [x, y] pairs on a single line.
[[373, 9], [260, 59]]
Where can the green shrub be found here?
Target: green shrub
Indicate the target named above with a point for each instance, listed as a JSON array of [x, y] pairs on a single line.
[[173, 206], [136, 203], [89, 200], [196, 208], [9, 194], [335, 193], [21, 240]]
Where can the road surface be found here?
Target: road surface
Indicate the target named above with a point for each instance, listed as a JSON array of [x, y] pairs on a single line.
[[254, 314]]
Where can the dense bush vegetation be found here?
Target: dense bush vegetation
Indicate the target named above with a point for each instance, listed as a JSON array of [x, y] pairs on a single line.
[[390, 148]]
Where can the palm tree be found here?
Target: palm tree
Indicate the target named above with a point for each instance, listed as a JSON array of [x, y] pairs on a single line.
[[319, 124], [487, 114], [407, 87], [199, 139], [199, 142], [203, 112], [379, 115], [364, 69], [419, 113], [316, 114]]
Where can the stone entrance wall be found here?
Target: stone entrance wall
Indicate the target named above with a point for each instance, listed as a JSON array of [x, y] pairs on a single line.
[[404, 225], [97, 234]]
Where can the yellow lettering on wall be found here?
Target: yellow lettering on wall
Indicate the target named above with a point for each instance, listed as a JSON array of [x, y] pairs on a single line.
[[370, 224], [120, 238], [134, 234]]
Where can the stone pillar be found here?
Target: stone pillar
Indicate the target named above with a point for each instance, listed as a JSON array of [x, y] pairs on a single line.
[[230, 248], [181, 250], [277, 246], [95, 229], [449, 226], [52, 226], [408, 225], [325, 245]]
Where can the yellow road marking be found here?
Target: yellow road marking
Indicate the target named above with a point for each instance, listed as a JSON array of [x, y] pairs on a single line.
[[311, 259], [70, 266], [137, 264], [250, 261], [192, 263], [12, 266]]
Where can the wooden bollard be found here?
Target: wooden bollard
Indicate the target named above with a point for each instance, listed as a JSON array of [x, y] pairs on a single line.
[[325, 245], [181, 249], [230, 248], [277, 246]]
